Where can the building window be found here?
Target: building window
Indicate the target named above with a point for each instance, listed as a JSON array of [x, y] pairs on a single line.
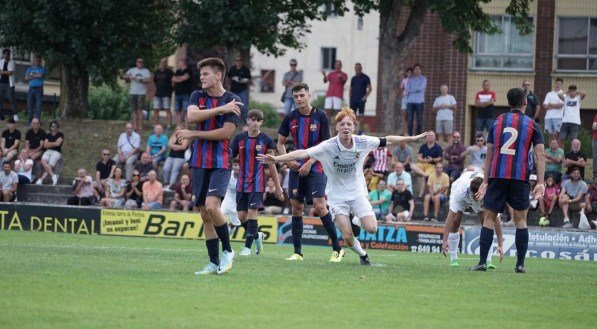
[[507, 51], [328, 58], [330, 9], [360, 23], [577, 44]]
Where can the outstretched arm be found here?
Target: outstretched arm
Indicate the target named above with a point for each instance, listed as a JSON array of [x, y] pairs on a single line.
[[392, 139], [292, 156]]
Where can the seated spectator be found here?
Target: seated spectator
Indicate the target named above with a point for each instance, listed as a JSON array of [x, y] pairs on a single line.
[[575, 158], [152, 192], [24, 167], [554, 157], [403, 153], [9, 180], [157, 145], [371, 179], [380, 199], [53, 146], [182, 195], [144, 166], [533, 203], [83, 189], [175, 159], [591, 203], [399, 174], [272, 204], [11, 140], [478, 153], [402, 205], [128, 150], [34, 140], [104, 170], [429, 154], [572, 195], [549, 200], [438, 185], [382, 157], [115, 190], [134, 192], [455, 155]]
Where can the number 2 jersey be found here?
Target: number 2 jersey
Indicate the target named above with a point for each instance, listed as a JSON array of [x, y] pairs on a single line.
[[512, 136]]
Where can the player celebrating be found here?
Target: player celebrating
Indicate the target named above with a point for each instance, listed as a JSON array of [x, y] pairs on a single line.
[[308, 127], [216, 113], [342, 158], [506, 180], [251, 178]]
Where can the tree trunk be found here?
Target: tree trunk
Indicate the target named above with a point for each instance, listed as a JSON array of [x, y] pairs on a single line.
[[74, 91]]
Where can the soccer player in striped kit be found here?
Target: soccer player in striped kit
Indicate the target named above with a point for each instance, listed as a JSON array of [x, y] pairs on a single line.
[[308, 126], [506, 180], [216, 113], [251, 178]]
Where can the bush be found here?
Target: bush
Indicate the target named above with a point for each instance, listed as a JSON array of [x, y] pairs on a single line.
[[318, 102], [271, 117], [108, 103]]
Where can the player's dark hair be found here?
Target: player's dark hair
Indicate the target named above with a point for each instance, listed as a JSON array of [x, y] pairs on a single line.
[[11, 120], [255, 115], [417, 65], [410, 69], [6, 51], [476, 183], [516, 97], [54, 123], [300, 86], [479, 135], [213, 62], [575, 168], [572, 87], [560, 80]]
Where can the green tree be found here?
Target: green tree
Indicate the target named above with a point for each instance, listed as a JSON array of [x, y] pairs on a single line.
[[87, 38]]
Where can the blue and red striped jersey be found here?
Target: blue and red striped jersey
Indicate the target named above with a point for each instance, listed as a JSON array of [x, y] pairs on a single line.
[[306, 131], [512, 136], [208, 154], [251, 176]]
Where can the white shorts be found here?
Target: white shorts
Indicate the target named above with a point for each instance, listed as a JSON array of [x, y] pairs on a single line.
[[229, 210], [458, 203], [333, 103], [360, 207], [51, 157]]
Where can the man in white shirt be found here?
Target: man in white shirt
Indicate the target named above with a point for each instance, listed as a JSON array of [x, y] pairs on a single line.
[[444, 106], [9, 180], [7, 81], [342, 158], [128, 149], [399, 174], [138, 77], [571, 116], [554, 106]]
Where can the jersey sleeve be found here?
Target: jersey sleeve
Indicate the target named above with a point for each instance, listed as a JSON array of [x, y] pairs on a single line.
[[194, 99], [318, 151], [234, 146], [232, 117], [490, 136], [537, 135], [269, 142], [372, 143], [325, 127], [284, 129]]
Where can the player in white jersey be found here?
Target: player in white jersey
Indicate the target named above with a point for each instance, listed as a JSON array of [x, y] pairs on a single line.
[[342, 158], [228, 206], [462, 196]]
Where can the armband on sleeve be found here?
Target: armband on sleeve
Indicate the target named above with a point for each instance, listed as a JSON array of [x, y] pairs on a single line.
[[382, 142]]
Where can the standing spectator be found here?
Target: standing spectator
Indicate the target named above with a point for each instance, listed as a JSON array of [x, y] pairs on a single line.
[[429, 154], [478, 153], [144, 166], [550, 199], [175, 159], [484, 101], [438, 184], [553, 110], [399, 174], [571, 116], [403, 106], [115, 190], [594, 144], [360, 88], [134, 192], [128, 149], [152, 192], [34, 140], [572, 195], [455, 154], [183, 86], [83, 190], [403, 153], [444, 105], [24, 167], [575, 158], [380, 199], [240, 78], [104, 170], [163, 83], [381, 159], [53, 146], [9, 180], [11, 140], [138, 77], [7, 83], [182, 195], [554, 157], [291, 78], [35, 76], [415, 89], [157, 145], [402, 206], [533, 108], [271, 202], [335, 94]]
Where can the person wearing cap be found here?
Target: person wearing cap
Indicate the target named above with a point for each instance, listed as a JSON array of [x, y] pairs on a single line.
[[534, 202]]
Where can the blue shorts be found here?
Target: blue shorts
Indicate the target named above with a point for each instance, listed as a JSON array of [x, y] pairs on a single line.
[[249, 200], [181, 102], [358, 106], [511, 191], [209, 182], [305, 189]]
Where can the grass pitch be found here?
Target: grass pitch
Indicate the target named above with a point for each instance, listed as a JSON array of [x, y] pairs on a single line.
[[52, 280]]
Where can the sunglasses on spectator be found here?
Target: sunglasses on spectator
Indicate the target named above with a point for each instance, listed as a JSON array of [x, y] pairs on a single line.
[[135, 175], [106, 154]]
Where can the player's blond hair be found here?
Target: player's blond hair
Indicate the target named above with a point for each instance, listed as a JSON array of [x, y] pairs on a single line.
[[346, 112]]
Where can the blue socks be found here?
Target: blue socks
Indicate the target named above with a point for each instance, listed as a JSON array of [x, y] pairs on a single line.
[[251, 232], [522, 244], [331, 229], [212, 250], [485, 242], [224, 236], [297, 234]]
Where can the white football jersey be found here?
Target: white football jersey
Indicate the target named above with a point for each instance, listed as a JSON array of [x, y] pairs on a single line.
[[344, 167], [461, 195]]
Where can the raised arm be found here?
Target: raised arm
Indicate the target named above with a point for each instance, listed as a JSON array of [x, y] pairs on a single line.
[[292, 156], [393, 139]]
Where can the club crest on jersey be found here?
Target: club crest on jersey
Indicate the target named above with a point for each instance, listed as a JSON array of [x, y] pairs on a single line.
[[313, 127], [258, 148]]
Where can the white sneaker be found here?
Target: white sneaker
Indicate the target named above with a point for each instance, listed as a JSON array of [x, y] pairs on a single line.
[[54, 179], [39, 182], [226, 262], [245, 252], [16, 117], [259, 243], [210, 268], [567, 224]]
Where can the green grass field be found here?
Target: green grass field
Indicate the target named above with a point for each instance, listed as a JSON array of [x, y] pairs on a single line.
[[52, 280]]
